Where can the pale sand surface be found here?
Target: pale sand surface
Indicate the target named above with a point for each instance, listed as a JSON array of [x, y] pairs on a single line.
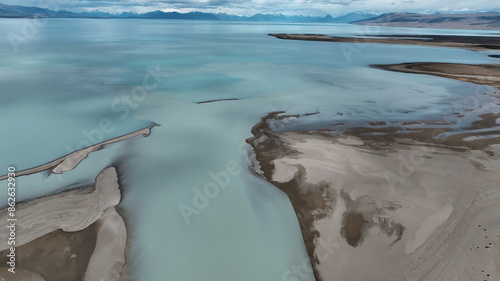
[[70, 161], [422, 227], [108, 259], [70, 211], [97, 246]]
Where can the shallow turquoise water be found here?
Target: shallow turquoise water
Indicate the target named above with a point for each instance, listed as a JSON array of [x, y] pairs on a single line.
[[73, 74]]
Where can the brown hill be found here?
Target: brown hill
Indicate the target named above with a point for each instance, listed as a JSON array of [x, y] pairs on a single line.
[[489, 20]]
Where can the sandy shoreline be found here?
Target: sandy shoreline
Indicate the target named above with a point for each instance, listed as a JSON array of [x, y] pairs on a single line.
[[65, 256], [358, 206], [403, 201], [266, 151], [87, 211]]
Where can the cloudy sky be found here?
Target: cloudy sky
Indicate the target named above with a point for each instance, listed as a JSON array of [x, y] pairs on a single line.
[[250, 7]]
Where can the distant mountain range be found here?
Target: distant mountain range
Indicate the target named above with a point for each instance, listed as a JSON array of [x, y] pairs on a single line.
[[489, 20], [11, 11]]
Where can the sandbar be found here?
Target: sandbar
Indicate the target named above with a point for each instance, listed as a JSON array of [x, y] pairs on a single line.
[[70, 161], [476, 43]]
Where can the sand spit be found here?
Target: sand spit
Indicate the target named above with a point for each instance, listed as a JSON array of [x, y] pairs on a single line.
[[70, 161], [476, 43], [485, 74], [396, 207], [73, 211]]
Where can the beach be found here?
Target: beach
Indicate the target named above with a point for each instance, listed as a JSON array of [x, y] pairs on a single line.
[[413, 200], [68, 230], [383, 207]]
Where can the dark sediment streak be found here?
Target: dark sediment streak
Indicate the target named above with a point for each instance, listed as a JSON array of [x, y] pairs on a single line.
[[210, 101], [309, 205]]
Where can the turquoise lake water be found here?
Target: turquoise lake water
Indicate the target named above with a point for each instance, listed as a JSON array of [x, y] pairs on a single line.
[[71, 76]]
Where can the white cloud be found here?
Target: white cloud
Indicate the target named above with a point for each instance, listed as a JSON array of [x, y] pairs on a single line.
[[304, 7]]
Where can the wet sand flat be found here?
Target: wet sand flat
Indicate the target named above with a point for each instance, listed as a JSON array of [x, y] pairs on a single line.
[[384, 208], [65, 255], [407, 201]]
